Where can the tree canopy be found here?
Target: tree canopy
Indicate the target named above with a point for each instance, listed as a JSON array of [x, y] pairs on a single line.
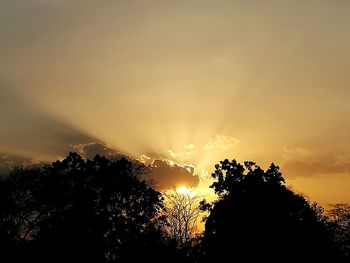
[[256, 217], [82, 210], [339, 225], [100, 210]]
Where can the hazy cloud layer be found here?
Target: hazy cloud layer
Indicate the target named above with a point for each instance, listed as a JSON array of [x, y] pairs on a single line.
[[306, 162]]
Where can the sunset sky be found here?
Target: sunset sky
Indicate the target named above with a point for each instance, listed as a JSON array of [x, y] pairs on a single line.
[[183, 84]]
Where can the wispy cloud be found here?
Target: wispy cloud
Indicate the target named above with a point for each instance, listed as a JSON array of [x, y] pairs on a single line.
[[299, 154], [173, 154], [222, 142], [305, 162], [183, 155]]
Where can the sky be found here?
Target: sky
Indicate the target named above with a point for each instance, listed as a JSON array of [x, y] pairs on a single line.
[[182, 85]]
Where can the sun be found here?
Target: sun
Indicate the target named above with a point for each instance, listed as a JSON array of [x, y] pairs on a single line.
[[185, 191]]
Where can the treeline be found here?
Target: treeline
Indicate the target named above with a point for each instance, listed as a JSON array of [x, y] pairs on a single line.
[[101, 210]]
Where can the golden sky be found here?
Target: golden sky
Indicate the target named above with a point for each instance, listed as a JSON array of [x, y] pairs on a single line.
[[190, 81]]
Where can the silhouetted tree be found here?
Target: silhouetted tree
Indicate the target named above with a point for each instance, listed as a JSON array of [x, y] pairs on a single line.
[[256, 217], [79, 210], [339, 223], [181, 215], [100, 210]]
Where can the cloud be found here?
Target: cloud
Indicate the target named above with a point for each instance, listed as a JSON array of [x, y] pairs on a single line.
[[306, 162], [91, 149], [189, 147], [163, 173], [167, 174], [182, 155], [7, 163], [205, 177], [342, 160], [145, 159], [173, 154], [86, 150], [189, 150], [299, 154], [221, 142]]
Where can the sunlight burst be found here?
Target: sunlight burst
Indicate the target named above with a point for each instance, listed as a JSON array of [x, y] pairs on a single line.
[[185, 191]]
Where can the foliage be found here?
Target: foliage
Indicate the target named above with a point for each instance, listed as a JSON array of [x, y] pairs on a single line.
[[257, 217], [95, 210], [339, 223], [100, 210]]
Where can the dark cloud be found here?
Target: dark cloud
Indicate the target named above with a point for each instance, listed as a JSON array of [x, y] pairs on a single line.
[[163, 173], [167, 174]]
